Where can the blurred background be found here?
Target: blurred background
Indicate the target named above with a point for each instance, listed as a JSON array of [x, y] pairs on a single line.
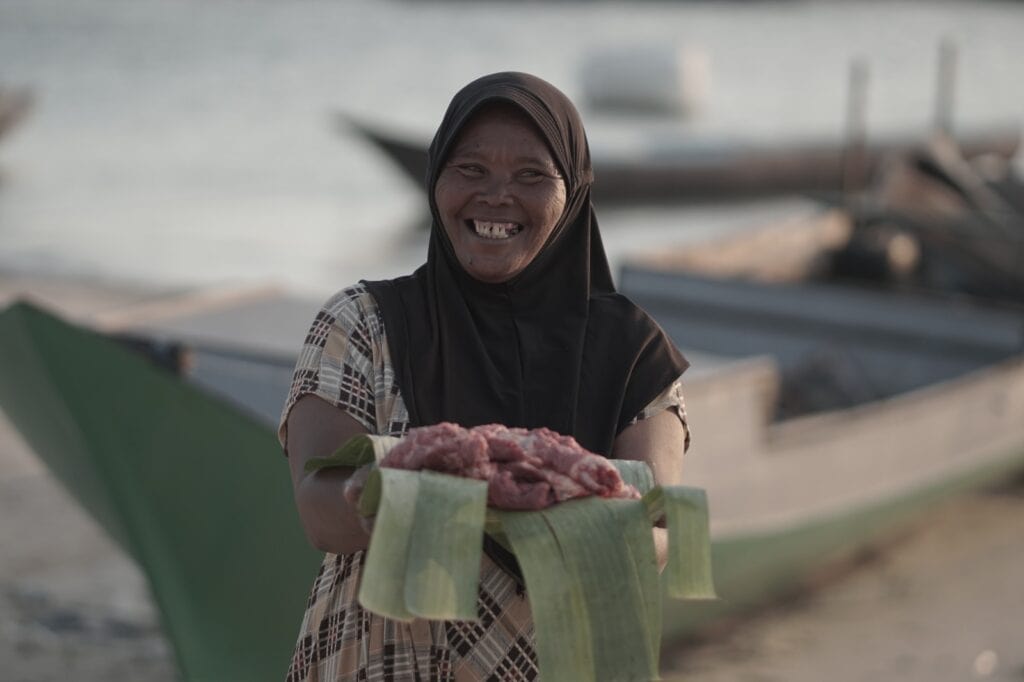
[[183, 144], [184, 148]]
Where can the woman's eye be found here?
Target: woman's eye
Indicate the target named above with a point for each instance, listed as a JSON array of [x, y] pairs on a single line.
[[531, 175], [470, 170]]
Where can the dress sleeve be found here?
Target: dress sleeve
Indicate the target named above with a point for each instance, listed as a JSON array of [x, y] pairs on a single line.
[[336, 362], [669, 399]]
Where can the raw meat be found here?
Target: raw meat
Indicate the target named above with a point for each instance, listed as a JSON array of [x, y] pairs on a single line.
[[524, 469], [445, 447]]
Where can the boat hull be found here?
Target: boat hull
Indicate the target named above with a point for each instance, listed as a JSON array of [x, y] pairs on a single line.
[[691, 175], [195, 491]]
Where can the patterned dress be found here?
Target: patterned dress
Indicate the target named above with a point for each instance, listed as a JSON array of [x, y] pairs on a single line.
[[345, 361]]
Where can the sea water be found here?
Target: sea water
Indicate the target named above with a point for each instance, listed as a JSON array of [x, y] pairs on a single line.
[[195, 142]]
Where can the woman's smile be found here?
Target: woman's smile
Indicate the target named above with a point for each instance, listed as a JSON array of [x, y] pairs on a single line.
[[494, 230]]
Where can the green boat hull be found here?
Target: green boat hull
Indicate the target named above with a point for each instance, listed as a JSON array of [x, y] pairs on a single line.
[[752, 570], [196, 492]]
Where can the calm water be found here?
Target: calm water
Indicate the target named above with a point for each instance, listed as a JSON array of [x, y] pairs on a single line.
[[190, 142]]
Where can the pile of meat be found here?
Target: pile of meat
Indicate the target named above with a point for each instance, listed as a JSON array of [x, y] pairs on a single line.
[[524, 469]]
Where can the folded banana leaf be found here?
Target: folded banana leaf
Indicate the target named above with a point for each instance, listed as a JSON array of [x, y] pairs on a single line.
[[424, 560], [589, 564], [355, 452], [688, 573]]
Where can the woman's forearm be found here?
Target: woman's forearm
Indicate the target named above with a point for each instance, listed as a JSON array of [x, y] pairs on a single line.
[[659, 441], [316, 429]]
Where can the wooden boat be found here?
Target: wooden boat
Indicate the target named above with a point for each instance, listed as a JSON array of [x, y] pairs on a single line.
[[841, 411], [961, 225], [930, 402], [688, 173], [15, 103]]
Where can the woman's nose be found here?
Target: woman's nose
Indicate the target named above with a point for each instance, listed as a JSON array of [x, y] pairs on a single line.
[[497, 189]]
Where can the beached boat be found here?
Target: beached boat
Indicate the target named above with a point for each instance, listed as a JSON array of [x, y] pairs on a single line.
[[913, 398], [194, 490], [841, 411], [688, 172]]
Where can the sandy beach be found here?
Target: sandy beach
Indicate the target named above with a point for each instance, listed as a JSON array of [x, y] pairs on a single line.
[[72, 604], [941, 600]]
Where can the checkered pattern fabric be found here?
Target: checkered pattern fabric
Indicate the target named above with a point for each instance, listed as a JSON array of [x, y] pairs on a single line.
[[669, 399], [345, 361]]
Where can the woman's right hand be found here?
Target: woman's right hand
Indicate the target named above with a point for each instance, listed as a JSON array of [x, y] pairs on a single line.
[[353, 491], [354, 485]]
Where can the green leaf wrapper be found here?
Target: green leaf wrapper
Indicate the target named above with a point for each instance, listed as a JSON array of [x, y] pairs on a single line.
[[357, 451], [590, 534], [443, 568], [560, 619], [382, 588], [688, 573], [589, 564]]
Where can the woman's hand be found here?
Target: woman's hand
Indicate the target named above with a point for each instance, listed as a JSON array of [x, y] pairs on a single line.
[[332, 523], [353, 490]]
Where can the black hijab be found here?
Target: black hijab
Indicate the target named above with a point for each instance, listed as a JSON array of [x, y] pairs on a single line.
[[555, 346]]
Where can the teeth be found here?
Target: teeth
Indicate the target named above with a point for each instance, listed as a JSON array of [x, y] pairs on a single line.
[[493, 230]]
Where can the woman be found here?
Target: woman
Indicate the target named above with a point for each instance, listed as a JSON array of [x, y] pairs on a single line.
[[513, 319]]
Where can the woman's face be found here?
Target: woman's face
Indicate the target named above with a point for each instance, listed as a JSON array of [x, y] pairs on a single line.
[[500, 194]]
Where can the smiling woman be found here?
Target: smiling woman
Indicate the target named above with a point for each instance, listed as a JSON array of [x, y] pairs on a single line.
[[500, 194], [512, 320]]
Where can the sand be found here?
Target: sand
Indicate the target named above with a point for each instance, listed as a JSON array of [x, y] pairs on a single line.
[[72, 605], [941, 601]]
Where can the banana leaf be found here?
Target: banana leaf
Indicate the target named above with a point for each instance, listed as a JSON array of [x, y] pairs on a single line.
[[589, 564], [424, 555], [563, 638], [355, 452], [444, 556], [590, 534], [639, 542], [688, 573], [382, 589]]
